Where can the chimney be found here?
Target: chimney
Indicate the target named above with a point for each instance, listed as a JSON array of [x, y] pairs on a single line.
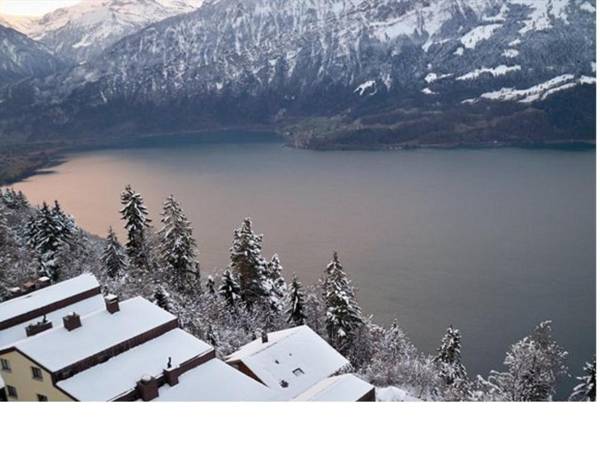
[[147, 388], [72, 321], [38, 327], [264, 337], [42, 282], [29, 287], [112, 303], [15, 292], [171, 376]]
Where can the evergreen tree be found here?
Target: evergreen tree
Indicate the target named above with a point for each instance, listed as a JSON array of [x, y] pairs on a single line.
[[135, 215], [4, 229], [177, 246], [534, 365], [448, 359], [586, 390], [249, 265], [297, 303], [113, 256], [211, 337], [343, 316], [278, 286], [162, 298], [230, 290], [210, 286], [21, 200], [65, 224]]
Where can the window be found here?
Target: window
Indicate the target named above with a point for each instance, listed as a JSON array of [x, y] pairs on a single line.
[[11, 391], [42, 398], [5, 365], [36, 372], [298, 372]]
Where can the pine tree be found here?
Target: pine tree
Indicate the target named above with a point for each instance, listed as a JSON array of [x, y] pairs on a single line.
[[21, 200], [65, 224], [249, 265], [135, 215], [297, 303], [586, 390], [4, 229], [177, 246], [113, 256], [534, 365], [211, 336], [448, 358], [277, 285], [162, 298], [343, 312], [230, 290], [210, 286]]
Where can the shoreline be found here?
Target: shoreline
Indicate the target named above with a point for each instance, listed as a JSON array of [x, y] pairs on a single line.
[[54, 155]]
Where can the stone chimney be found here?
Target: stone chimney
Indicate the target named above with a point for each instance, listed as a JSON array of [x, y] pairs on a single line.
[[147, 388], [72, 321], [42, 282], [38, 327], [112, 303]]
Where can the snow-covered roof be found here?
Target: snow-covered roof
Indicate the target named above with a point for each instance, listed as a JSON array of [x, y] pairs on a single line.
[[215, 381], [394, 394], [119, 374], [47, 296], [291, 361], [17, 332], [59, 348], [341, 388]]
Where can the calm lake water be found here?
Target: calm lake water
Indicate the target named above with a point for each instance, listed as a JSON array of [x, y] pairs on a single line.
[[491, 241]]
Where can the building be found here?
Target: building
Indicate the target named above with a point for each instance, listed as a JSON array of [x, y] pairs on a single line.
[[299, 365]]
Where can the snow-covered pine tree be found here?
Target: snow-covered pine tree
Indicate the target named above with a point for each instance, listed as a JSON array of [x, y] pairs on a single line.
[[296, 303], [343, 312], [211, 288], [135, 215], [21, 200], [278, 287], [162, 298], [211, 336], [449, 356], [585, 391], [65, 224], [113, 256], [177, 245], [534, 364], [249, 265], [4, 230], [230, 291]]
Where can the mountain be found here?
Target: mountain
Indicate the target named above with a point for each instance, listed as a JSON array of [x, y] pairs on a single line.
[[338, 73], [82, 31], [22, 24], [21, 57]]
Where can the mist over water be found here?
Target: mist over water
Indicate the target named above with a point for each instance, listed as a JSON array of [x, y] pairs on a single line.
[[491, 241]]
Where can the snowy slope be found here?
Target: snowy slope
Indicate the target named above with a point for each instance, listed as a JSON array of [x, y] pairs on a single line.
[[85, 29], [22, 24], [370, 64]]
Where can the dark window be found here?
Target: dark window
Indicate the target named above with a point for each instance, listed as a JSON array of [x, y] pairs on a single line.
[[298, 372], [36, 373], [11, 391], [5, 365], [42, 398]]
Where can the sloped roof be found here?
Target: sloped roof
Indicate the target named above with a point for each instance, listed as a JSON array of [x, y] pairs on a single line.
[[291, 361], [47, 296], [16, 333], [215, 381], [119, 374], [341, 388], [59, 348]]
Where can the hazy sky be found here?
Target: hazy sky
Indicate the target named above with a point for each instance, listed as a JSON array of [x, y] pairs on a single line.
[[32, 7]]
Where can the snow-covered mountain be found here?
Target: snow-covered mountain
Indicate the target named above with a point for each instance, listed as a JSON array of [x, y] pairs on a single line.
[[82, 31], [372, 71], [23, 24], [21, 57]]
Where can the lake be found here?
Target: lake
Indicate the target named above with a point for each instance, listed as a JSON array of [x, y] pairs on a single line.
[[491, 241]]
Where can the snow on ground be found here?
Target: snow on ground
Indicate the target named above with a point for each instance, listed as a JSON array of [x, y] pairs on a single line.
[[538, 92], [120, 374], [291, 361], [495, 71], [587, 6], [428, 91], [47, 296], [510, 53], [341, 388], [394, 394], [59, 348], [478, 34], [459, 51], [542, 13], [360, 90], [431, 77]]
